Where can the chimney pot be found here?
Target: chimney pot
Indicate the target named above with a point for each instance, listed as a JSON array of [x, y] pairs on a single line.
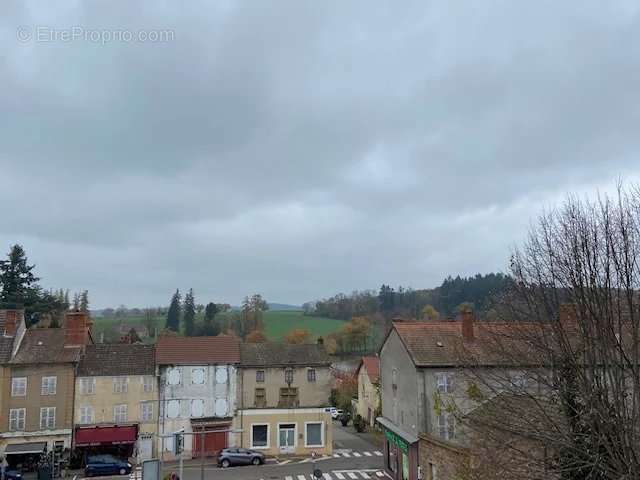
[[12, 318]]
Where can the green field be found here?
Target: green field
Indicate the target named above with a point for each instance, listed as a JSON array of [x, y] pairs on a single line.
[[277, 324]]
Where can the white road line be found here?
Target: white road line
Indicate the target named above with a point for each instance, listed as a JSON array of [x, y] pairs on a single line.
[[380, 474], [306, 460], [338, 475], [379, 454], [336, 455], [367, 454], [284, 463], [365, 475], [301, 477], [345, 454], [289, 477], [327, 476], [352, 475], [356, 454]]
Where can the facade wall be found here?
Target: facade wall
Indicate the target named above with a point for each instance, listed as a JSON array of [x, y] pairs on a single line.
[[405, 404], [439, 460], [185, 401], [310, 394], [274, 418], [368, 397], [62, 400]]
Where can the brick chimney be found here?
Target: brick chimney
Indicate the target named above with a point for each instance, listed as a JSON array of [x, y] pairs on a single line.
[[77, 328], [11, 318], [467, 325]]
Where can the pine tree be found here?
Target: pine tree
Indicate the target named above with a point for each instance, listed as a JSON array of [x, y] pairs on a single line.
[[18, 282], [173, 314], [76, 302], [211, 327], [84, 301], [189, 316]]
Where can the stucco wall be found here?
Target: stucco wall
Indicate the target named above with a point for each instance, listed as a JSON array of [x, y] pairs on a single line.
[[310, 394], [405, 405], [273, 417], [368, 396], [104, 399], [212, 392]]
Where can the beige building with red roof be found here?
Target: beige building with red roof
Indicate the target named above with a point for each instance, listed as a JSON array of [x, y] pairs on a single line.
[[368, 374], [198, 393]]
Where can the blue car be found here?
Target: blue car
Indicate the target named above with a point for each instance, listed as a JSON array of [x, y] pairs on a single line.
[[12, 475], [98, 465]]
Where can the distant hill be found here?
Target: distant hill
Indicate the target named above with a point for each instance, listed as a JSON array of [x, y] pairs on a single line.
[[284, 306]]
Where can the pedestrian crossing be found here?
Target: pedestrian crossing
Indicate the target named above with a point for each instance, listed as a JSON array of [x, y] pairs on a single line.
[[351, 453], [342, 475]]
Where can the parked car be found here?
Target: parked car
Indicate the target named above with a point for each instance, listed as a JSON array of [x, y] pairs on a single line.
[[335, 413], [106, 465], [12, 475], [239, 456]]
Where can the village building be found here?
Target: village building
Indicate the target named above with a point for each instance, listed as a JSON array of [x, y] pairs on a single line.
[[198, 389], [38, 386], [116, 401], [285, 394], [368, 403]]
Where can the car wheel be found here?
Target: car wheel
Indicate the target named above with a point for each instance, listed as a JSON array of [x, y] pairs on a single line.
[[123, 471], [226, 463], [256, 461]]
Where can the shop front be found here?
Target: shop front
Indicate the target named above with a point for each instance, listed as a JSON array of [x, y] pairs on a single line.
[[24, 456], [400, 451], [117, 440]]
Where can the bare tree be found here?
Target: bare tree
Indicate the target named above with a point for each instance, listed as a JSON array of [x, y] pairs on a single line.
[[565, 358]]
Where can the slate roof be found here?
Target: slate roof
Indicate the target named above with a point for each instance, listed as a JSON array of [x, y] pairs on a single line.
[[117, 359], [6, 345], [174, 350], [372, 367], [45, 345], [280, 354]]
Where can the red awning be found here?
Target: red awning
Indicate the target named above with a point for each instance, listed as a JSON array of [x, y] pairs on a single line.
[[106, 435]]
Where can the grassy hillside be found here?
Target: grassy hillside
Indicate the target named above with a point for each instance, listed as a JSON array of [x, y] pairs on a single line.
[[277, 324]]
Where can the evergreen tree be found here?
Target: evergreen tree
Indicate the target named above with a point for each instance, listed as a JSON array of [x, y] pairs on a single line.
[[173, 314], [210, 325], [76, 302], [189, 315], [19, 284], [84, 301]]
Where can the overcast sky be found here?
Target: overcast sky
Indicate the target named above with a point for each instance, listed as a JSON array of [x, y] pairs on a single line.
[[300, 149]]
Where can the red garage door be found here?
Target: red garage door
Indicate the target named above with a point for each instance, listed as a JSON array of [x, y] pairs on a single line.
[[213, 438]]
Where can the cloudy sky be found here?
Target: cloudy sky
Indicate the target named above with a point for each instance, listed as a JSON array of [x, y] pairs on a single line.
[[299, 149]]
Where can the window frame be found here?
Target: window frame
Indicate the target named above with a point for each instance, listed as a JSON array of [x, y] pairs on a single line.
[[264, 397], [311, 375], [268, 445], [86, 411], [126, 413], [13, 387], [447, 425], [143, 417], [260, 376], [47, 418], [120, 384], [17, 419], [86, 382], [444, 382], [306, 435], [288, 395], [45, 386], [148, 383], [204, 375]]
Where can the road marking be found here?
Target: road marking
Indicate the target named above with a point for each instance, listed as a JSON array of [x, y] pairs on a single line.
[[327, 476], [356, 454], [284, 463], [367, 454], [352, 475], [336, 455], [379, 454], [380, 474], [365, 475], [306, 460], [301, 477], [289, 477], [345, 454], [338, 475]]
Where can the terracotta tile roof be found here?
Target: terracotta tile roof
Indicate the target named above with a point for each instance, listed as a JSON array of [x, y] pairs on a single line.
[[268, 354], [441, 343], [117, 359], [372, 367], [174, 350], [46, 345]]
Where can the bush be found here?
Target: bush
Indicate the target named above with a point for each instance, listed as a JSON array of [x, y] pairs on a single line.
[[359, 424]]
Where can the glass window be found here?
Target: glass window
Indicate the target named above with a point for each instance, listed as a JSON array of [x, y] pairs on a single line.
[[197, 376], [146, 411], [16, 419], [48, 385], [314, 437], [87, 386], [260, 398], [447, 426], [444, 382], [19, 386], [147, 383], [259, 436], [47, 418], [120, 413], [288, 376], [260, 376], [120, 384], [311, 375], [86, 414], [197, 407], [173, 376]]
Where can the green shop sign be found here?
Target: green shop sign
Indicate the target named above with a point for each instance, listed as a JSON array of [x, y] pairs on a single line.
[[395, 439]]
